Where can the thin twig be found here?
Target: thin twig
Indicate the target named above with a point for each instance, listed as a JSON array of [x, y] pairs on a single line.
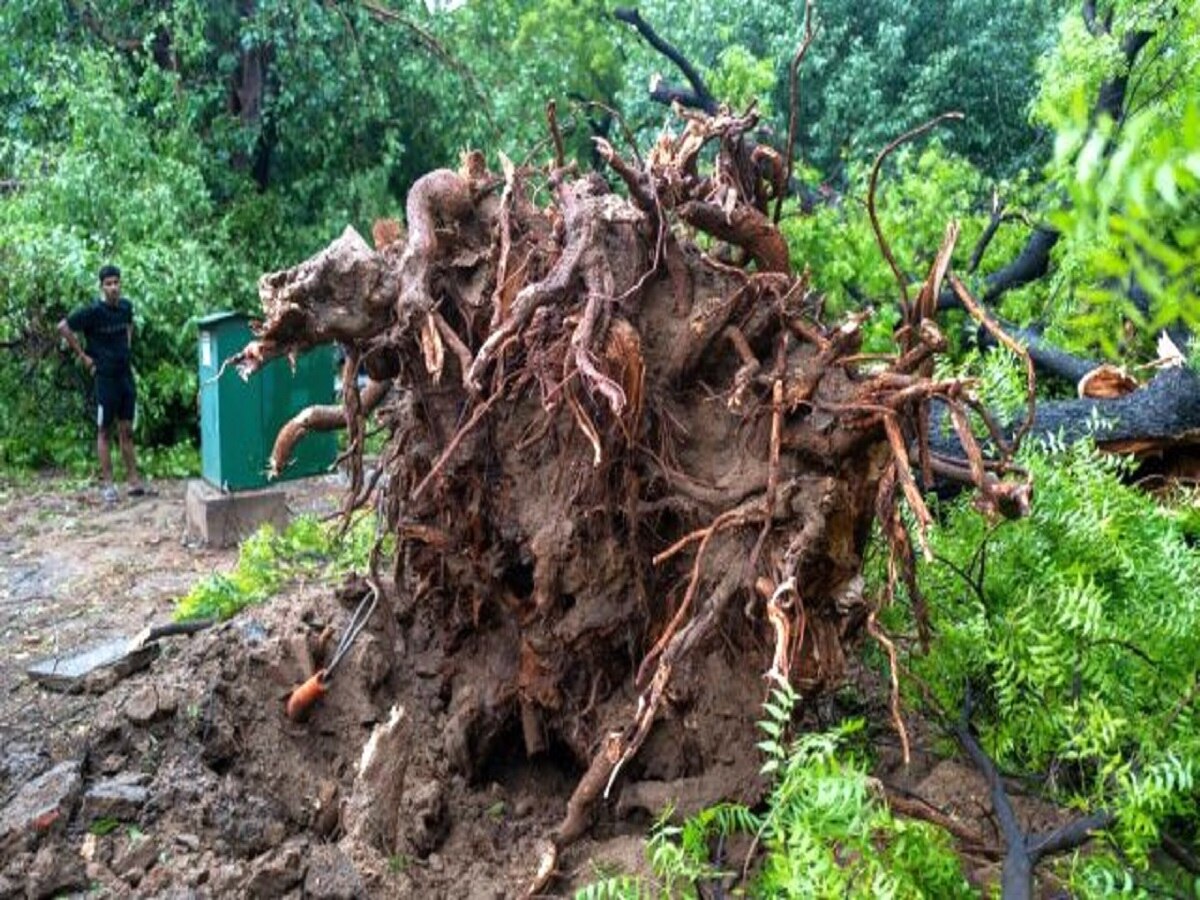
[[476, 417], [793, 101], [890, 648], [879, 238], [981, 316]]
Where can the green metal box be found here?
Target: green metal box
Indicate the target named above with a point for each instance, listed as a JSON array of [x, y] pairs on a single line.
[[239, 419]]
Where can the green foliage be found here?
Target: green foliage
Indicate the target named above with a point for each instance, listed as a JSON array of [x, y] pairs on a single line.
[[103, 826], [740, 77], [917, 196], [1079, 626], [268, 560], [1133, 185], [98, 189], [1134, 215], [875, 70], [825, 832]]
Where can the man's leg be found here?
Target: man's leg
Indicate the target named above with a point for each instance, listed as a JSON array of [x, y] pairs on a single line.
[[126, 411], [102, 450], [106, 415], [128, 455]]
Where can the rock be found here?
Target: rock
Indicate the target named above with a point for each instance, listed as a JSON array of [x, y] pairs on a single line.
[[226, 878], [133, 860], [21, 762], [252, 632], [100, 681], [120, 798], [278, 871], [331, 875], [424, 818], [111, 764], [189, 842], [156, 882], [375, 664], [99, 877], [145, 705], [40, 806], [251, 824], [168, 703], [55, 870], [325, 818]]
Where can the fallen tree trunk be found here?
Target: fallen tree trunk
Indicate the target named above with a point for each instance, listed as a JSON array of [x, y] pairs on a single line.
[[1157, 418]]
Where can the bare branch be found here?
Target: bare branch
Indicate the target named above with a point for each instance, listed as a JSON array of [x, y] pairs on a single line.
[[880, 239]]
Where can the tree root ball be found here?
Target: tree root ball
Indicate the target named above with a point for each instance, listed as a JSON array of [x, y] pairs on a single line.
[[627, 478]]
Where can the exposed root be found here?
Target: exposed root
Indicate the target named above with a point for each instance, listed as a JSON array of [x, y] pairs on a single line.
[[319, 418]]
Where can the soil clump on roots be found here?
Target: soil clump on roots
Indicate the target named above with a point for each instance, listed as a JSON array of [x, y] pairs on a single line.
[[626, 478]]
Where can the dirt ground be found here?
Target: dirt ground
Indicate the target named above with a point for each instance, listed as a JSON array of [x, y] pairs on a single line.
[[198, 782], [187, 779]]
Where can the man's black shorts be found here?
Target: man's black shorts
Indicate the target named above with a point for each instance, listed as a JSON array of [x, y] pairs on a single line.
[[116, 399]]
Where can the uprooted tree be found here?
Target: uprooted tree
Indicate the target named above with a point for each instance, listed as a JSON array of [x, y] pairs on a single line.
[[627, 476]]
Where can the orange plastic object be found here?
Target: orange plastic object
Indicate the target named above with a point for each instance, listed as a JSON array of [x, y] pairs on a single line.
[[306, 695]]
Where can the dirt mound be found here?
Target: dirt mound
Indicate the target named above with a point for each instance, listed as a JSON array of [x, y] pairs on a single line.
[[190, 777]]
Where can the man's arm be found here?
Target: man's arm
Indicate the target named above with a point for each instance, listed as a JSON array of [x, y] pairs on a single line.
[[73, 342]]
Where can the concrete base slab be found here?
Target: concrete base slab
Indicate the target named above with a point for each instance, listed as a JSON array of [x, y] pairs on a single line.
[[221, 519], [69, 674]]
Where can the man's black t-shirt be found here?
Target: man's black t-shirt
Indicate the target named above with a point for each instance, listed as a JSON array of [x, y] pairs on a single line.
[[107, 331]]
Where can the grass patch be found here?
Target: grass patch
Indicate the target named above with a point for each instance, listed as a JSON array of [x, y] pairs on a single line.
[[268, 560]]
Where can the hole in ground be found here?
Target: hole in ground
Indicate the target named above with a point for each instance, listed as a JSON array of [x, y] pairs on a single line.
[[549, 777]]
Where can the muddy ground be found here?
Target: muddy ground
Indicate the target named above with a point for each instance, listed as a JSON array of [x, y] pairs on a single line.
[[187, 779]]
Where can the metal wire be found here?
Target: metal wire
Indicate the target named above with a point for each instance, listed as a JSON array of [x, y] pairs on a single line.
[[357, 622]]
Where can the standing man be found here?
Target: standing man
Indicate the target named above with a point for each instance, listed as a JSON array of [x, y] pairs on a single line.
[[107, 324]]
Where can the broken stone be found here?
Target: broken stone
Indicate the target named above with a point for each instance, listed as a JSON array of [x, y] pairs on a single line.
[[120, 798], [278, 871], [156, 882], [376, 664], [250, 824], [21, 762], [133, 860], [189, 842], [111, 764], [325, 818], [41, 806], [331, 875], [227, 877], [424, 812], [55, 870], [145, 706], [105, 663], [101, 879], [99, 682]]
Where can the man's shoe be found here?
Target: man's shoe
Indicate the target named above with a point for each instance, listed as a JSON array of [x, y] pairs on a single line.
[[108, 494], [142, 490]]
